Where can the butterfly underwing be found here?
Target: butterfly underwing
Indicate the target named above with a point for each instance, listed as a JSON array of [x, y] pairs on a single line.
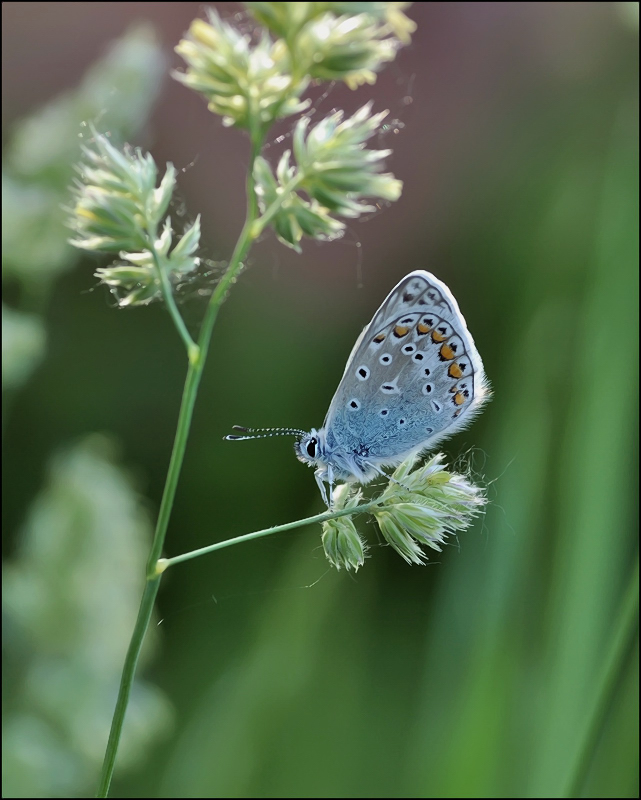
[[414, 377]]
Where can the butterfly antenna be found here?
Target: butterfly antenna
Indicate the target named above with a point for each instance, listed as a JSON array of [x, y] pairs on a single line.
[[262, 433]]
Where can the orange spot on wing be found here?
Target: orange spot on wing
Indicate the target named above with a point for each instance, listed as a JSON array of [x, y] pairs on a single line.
[[455, 371], [422, 329], [438, 337], [446, 352], [379, 338], [458, 399], [400, 331]]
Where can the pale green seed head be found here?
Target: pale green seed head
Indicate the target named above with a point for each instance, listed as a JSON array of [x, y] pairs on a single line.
[[119, 208]]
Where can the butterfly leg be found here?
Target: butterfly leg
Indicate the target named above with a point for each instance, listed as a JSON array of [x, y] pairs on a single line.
[[330, 481], [320, 475]]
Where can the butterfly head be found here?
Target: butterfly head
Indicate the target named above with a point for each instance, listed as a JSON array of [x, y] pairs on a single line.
[[310, 447]]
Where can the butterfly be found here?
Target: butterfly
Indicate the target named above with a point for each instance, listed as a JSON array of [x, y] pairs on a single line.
[[413, 378]]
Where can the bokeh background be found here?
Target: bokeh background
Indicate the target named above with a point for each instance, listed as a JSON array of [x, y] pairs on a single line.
[[507, 666]]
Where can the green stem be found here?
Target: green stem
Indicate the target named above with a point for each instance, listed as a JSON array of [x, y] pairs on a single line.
[[615, 663], [190, 391], [193, 350], [128, 671], [197, 358], [164, 563]]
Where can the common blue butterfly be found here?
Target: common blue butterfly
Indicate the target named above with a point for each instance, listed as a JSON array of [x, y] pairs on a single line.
[[414, 377]]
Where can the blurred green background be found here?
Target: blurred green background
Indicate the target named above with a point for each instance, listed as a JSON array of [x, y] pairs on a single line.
[[506, 667]]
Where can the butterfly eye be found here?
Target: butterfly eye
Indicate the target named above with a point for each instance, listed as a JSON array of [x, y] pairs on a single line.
[[311, 448]]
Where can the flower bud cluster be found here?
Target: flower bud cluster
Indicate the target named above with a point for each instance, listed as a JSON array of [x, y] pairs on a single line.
[[421, 507], [119, 208], [253, 80], [249, 85], [347, 42], [342, 543], [333, 169], [418, 508]]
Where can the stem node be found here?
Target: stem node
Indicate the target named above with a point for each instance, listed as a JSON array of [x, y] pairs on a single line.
[[193, 354], [161, 566]]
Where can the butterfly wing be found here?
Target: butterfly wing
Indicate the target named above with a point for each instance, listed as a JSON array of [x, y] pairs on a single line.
[[413, 377]]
